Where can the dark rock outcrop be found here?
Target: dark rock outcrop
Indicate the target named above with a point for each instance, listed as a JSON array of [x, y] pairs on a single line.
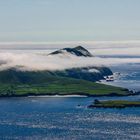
[[77, 51]]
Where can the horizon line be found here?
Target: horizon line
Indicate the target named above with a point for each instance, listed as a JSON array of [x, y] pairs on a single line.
[[63, 42]]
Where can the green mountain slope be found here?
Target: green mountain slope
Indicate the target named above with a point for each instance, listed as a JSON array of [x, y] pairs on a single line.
[[19, 83]]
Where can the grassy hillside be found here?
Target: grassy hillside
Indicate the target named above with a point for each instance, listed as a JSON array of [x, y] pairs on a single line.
[[17, 83]]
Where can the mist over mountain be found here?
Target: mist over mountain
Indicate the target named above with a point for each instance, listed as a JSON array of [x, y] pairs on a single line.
[[67, 62], [37, 60]]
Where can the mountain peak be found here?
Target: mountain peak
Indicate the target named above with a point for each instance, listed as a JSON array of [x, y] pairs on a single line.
[[77, 51], [79, 47]]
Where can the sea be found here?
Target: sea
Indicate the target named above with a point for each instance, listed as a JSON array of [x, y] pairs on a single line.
[[68, 118]]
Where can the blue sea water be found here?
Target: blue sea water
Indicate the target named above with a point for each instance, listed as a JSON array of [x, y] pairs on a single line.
[[46, 118], [61, 118], [129, 76]]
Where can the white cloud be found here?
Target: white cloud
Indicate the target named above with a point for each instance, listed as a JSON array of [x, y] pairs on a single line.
[[32, 61]]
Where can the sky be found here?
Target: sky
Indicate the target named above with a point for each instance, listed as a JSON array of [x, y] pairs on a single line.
[[69, 20]]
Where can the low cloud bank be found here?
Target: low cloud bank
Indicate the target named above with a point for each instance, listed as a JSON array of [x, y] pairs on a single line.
[[33, 61]]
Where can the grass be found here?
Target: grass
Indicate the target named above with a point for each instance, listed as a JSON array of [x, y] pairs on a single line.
[[61, 86]]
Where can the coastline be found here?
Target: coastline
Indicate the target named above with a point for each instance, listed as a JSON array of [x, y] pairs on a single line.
[[130, 93]]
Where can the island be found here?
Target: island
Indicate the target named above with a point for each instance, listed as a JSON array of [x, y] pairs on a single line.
[[21, 81], [114, 104]]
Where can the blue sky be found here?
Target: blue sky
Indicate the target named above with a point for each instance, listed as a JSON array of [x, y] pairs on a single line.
[[69, 20]]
